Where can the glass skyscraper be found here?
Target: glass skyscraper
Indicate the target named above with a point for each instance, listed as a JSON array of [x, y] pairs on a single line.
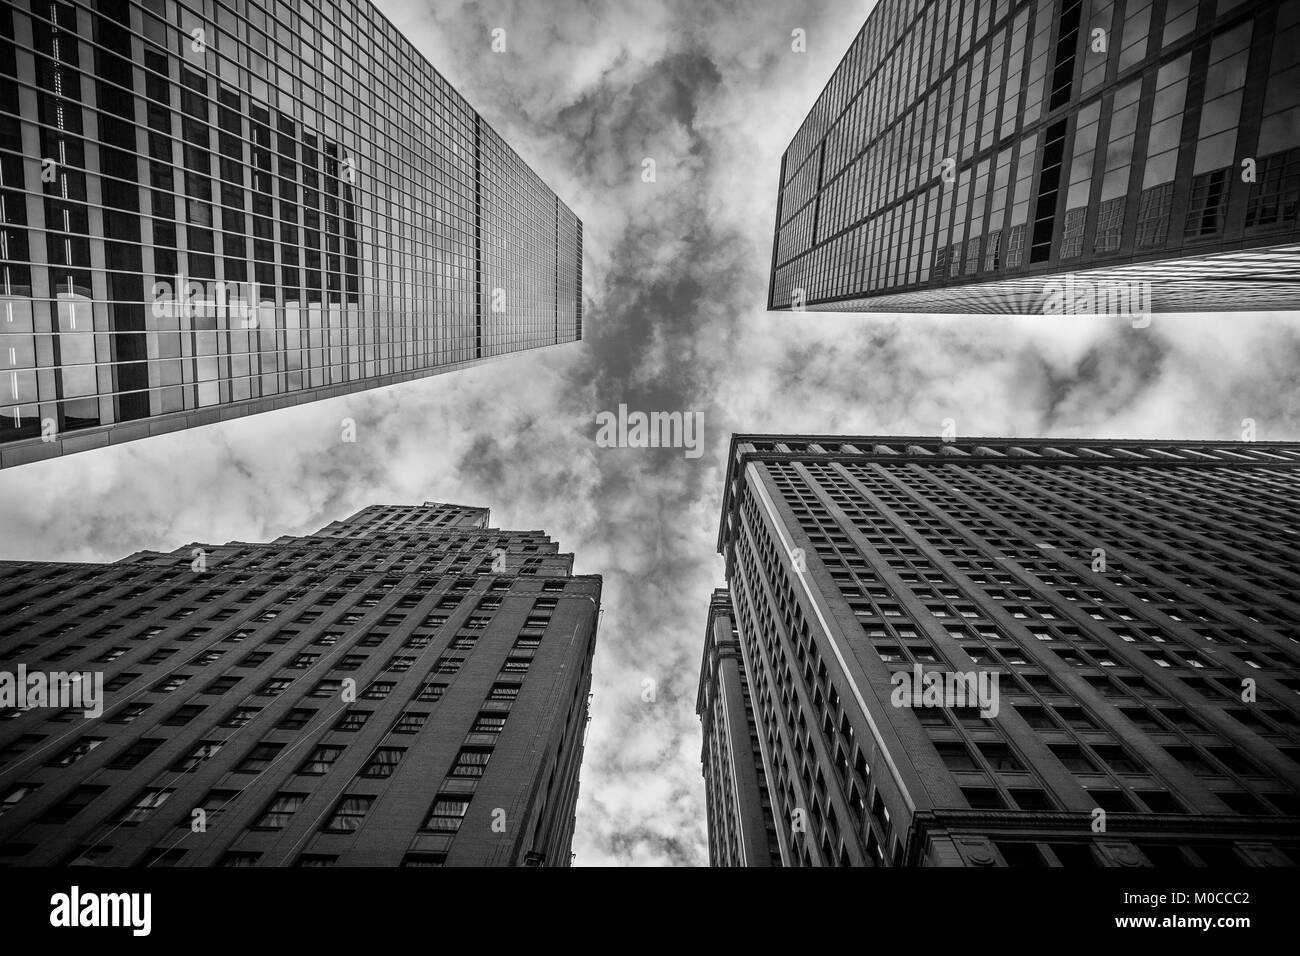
[[210, 208], [406, 687], [967, 153], [1130, 605]]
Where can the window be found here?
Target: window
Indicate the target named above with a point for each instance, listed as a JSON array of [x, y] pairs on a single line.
[[1076, 855], [162, 856], [221, 685], [321, 759], [74, 753], [127, 713], [297, 718], [259, 758], [410, 722], [213, 805], [144, 806], [348, 814], [352, 720], [240, 716], [304, 661], [183, 715], [504, 692], [488, 723], [1207, 205], [1076, 718], [471, 762], [424, 859], [1073, 757], [983, 798], [383, 762], [1160, 801], [16, 793], [1036, 717], [431, 691], [1276, 201], [329, 687], [956, 756], [1112, 801], [204, 750], [135, 753], [279, 810], [120, 681], [448, 665], [1118, 759], [274, 687], [1021, 854], [1028, 799], [1193, 761], [378, 690], [446, 814]]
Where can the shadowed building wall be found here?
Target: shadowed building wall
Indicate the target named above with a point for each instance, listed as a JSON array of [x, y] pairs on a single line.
[[1135, 602], [405, 687], [741, 829]]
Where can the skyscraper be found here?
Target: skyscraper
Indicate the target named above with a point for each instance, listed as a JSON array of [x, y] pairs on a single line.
[[211, 208], [1129, 604], [742, 831], [405, 687], [967, 154]]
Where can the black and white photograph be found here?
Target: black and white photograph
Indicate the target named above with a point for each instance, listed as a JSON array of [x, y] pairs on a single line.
[[662, 434]]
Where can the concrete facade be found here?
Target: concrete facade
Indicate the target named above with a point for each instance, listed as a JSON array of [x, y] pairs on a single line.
[[406, 687]]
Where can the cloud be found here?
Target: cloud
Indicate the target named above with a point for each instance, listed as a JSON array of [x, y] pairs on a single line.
[[676, 283]]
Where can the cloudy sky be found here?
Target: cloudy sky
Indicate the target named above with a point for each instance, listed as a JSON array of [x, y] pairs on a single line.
[[676, 287]]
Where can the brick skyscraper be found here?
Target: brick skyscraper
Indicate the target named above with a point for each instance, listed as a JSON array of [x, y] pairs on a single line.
[[212, 208], [741, 829], [967, 153], [229, 674], [1135, 601]]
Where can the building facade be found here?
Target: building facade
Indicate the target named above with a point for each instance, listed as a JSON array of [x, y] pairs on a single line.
[[408, 687], [742, 831], [211, 208], [1130, 605], [967, 155]]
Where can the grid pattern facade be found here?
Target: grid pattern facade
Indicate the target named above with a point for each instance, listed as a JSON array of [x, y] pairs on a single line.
[[1158, 685], [742, 831], [406, 687], [960, 146], [210, 208]]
